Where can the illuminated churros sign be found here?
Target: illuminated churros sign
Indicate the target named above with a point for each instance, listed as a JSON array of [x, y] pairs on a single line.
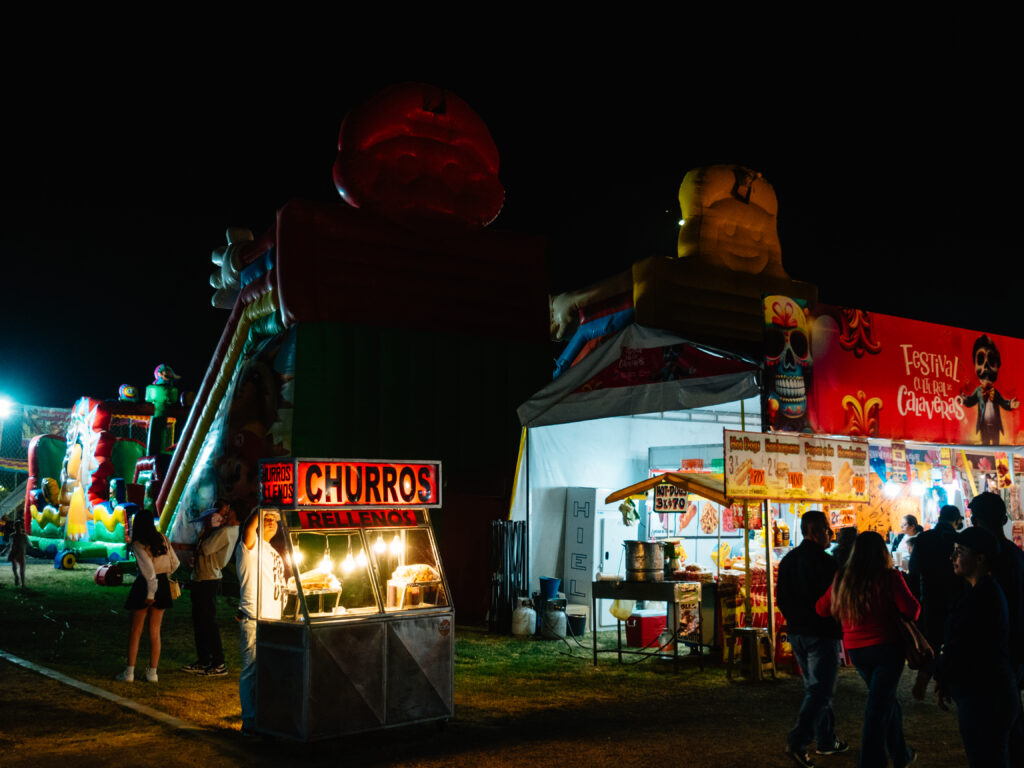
[[332, 494], [365, 485]]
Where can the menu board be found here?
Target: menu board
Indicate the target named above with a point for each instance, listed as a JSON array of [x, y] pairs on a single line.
[[669, 498], [795, 468]]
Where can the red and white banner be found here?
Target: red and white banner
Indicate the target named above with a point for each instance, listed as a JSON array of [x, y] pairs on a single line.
[[838, 371]]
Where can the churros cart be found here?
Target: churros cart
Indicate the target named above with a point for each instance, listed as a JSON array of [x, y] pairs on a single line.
[[355, 622]]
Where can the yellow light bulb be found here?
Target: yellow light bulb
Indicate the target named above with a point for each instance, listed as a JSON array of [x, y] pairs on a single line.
[[380, 546], [396, 546], [348, 564], [361, 559]]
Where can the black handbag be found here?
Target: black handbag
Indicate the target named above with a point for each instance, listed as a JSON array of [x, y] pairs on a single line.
[[916, 649]]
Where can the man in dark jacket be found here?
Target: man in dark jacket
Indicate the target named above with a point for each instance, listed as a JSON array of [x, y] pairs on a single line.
[[938, 587], [930, 564], [804, 576]]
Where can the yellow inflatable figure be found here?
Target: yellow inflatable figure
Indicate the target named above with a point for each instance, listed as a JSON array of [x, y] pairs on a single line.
[[729, 216], [77, 529], [721, 554]]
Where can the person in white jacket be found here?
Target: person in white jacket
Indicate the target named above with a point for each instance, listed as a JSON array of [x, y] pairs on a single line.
[[150, 595]]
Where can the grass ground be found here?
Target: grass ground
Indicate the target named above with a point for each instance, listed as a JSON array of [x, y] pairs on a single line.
[[525, 702]]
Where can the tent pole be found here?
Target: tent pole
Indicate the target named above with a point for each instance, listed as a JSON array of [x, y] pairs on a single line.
[[769, 585], [529, 518], [746, 562], [718, 560]]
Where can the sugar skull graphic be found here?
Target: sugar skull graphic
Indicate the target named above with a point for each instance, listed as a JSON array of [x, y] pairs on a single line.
[[787, 365]]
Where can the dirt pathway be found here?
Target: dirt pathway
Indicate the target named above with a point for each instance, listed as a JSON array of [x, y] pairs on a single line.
[[738, 725]]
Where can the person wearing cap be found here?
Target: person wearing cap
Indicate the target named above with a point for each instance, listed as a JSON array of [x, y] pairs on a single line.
[[938, 585], [974, 668], [263, 563], [988, 512], [212, 552]]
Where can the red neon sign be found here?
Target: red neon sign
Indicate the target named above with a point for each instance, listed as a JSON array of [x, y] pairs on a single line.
[[366, 484], [277, 482]]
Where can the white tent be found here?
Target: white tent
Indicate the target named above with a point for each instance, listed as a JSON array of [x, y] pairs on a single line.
[[576, 434]]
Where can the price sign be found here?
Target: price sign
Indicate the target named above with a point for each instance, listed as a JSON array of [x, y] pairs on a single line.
[[795, 467]]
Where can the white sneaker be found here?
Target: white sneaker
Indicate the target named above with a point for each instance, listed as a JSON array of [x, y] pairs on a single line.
[[127, 676], [151, 675]]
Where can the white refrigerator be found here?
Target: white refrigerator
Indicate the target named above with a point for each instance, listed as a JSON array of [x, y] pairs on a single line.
[[594, 534]]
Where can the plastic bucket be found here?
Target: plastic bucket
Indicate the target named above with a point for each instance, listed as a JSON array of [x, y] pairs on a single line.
[[577, 624], [549, 587]]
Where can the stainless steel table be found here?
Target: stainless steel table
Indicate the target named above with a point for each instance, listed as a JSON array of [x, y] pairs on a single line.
[[670, 592]]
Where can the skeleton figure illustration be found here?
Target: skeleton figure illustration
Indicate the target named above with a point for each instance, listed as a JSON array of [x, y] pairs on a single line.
[[788, 365], [990, 403]]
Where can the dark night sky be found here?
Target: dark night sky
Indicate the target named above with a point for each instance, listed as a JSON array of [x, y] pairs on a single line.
[[899, 189]]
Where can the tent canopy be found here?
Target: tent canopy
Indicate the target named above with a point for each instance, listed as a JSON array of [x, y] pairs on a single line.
[[640, 370], [707, 486]]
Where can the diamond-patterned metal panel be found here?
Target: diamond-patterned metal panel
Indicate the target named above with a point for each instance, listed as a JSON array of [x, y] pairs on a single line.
[[420, 671], [346, 685]]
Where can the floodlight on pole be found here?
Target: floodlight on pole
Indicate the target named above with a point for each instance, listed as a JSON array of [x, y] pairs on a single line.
[[6, 407]]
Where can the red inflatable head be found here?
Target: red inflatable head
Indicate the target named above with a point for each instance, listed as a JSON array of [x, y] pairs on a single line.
[[422, 157]]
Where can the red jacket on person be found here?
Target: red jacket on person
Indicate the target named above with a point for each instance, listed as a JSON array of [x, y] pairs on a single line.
[[879, 626]]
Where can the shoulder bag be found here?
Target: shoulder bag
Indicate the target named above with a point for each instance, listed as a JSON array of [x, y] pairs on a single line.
[[916, 649]]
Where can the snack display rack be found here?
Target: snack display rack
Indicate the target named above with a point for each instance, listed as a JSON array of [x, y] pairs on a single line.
[[356, 633]]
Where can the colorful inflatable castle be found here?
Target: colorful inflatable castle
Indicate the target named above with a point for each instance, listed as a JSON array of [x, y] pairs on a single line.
[[78, 484]]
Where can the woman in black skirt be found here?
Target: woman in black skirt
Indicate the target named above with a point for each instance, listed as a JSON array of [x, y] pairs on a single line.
[[150, 595]]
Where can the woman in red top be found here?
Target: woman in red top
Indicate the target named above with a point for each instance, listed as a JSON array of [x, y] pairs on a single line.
[[866, 597]]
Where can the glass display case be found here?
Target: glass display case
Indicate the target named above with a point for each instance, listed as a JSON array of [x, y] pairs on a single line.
[[349, 572], [355, 623]]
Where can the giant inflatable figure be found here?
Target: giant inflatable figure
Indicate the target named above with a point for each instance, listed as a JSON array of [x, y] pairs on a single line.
[[421, 157], [371, 327], [727, 257], [729, 219]]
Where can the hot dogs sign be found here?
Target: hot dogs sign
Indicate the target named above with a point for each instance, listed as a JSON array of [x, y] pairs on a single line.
[[795, 468]]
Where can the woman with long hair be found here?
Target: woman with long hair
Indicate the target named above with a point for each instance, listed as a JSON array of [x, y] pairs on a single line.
[[150, 595], [866, 597]]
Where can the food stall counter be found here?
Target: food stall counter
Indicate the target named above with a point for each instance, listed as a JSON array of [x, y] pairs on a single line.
[[354, 618]]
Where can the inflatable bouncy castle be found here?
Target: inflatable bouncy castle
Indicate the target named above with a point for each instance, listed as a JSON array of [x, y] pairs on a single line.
[[78, 485]]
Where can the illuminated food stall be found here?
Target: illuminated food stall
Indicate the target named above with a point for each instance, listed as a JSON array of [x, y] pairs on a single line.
[[355, 624]]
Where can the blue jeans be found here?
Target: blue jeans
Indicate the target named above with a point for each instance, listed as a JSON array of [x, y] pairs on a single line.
[[247, 679], [818, 658], [880, 666]]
